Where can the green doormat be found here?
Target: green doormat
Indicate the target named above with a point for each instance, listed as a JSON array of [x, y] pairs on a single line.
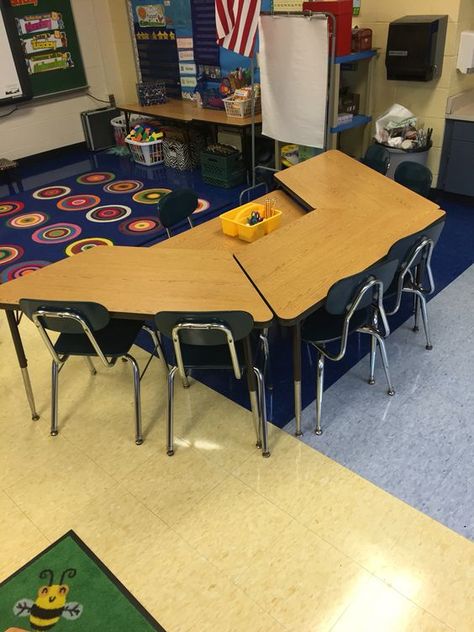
[[68, 589]]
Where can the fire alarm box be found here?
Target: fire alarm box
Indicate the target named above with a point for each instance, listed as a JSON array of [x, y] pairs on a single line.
[[415, 47]]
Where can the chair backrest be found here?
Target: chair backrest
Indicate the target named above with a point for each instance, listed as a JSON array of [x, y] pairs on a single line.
[[377, 158], [239, 323], [414, 176], [344, 293], [63, 316], [177, 206], [205, 329], [404, 248]]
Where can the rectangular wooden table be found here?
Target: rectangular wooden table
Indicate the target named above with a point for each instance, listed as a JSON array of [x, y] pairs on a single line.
[[186, 111], [335, 180], [137, 283]]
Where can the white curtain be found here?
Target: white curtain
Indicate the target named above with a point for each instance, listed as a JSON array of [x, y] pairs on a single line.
[[293, 73]]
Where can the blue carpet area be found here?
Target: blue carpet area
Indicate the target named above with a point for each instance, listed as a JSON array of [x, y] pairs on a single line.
[[101, 200]]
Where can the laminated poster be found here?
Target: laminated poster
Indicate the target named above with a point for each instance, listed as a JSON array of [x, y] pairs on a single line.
[[151, 15]]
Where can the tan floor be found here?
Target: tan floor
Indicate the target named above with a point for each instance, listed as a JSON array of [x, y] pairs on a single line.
[[216, 538]]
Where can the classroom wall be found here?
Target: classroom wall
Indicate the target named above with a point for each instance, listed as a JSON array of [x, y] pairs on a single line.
[[37, 126], [426, 100]]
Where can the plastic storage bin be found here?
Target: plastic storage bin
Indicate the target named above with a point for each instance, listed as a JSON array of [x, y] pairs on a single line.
[[342, 10], [120, 127], [146, 153], [234, 223], [241, 108]]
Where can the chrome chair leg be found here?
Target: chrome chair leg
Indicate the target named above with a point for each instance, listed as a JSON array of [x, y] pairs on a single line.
[[170, 430], [262, 405], [426, 325], [416, 313], [256, 416], [54, 398], [319, 391], [373, 351], [190, 223], [90, 364], [383, 355], [138, 407], [156, 338]]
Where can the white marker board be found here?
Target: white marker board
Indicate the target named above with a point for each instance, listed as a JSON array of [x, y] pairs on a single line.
[[14, 84]]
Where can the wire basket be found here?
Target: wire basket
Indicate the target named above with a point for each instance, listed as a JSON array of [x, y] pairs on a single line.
[[146, 153], [241, 108]]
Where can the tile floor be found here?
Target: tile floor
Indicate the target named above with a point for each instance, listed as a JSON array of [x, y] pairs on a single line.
[[419, 444], [216, 537]]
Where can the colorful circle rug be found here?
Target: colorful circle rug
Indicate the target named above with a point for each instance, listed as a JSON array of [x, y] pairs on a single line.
[[10, 252], [82, 245], [123, 186], [108, 213], [96, 177], [51, 193], [203, 205], [78, 202], [141, 226], [8, 207], [20, 269], [56, 233], [150, 196], [27, 220]]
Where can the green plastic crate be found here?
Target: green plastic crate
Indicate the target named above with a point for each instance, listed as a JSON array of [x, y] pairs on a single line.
[[220, 167], [226, 183]]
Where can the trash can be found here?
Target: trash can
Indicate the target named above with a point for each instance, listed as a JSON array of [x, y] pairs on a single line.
[[400, 155]]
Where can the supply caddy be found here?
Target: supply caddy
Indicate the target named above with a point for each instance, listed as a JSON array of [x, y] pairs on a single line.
[[236, 223]]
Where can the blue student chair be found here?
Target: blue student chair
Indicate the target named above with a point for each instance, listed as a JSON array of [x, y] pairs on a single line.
[[377, 158], [353, 305], [214, 341], [414, 275], [86, 329], [177, 206], [414, 176]]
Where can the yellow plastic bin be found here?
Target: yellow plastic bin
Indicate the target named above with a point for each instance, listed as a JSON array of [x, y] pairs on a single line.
[[234, 222]]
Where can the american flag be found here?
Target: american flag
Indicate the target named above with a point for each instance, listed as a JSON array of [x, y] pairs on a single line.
[[236, 24]]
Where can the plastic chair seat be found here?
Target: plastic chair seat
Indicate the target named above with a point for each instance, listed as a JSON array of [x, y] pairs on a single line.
[[322, 327], [115, 340]]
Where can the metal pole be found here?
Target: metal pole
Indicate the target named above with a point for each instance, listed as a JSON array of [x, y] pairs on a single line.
[[252, 83]]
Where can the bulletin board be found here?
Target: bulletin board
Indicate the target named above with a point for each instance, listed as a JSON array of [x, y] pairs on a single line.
[[14, 83], [175, 42], [50, 47]]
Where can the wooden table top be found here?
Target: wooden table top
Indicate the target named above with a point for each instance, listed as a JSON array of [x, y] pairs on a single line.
[[185, 110], [334, 180], [139, 282], [294, 267], [209, 235]]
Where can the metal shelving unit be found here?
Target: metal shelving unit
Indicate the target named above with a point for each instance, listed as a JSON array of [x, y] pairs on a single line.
[[361, 68]]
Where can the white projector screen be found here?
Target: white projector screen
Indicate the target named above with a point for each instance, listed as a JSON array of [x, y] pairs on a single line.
[[14, 84]]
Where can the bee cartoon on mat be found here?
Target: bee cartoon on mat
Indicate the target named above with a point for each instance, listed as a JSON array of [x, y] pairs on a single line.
[[50, 604]]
